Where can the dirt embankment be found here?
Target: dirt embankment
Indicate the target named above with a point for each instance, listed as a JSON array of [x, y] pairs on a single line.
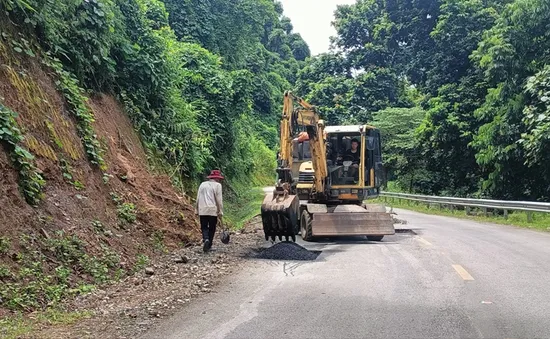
[[80, 202]]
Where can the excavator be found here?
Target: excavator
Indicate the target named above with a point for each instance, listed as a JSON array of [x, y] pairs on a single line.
[[324, 176]]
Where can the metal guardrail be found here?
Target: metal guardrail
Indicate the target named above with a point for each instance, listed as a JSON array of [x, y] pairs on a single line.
[[485, 204]]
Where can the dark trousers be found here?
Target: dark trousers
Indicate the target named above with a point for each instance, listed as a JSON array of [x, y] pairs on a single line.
[[208, 227]]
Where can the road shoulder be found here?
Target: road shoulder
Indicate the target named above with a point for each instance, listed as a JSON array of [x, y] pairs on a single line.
[[132, 306]]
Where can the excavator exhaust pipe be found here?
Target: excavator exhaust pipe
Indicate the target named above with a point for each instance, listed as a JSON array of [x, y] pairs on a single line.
[[280, 216]]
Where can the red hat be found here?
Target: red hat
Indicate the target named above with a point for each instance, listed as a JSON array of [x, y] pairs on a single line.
[[215, 174]]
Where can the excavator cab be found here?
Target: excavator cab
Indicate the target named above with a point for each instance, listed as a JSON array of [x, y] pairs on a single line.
[[353, 177], [302, 169]]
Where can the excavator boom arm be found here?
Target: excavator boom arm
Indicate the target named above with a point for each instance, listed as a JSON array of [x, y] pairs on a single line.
[[308, 117], [286, 134]]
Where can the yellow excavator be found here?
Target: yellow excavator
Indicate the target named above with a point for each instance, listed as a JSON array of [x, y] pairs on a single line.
[[324, 175]]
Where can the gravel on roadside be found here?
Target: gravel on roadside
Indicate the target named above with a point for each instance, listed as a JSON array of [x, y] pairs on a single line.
[[130, 307]]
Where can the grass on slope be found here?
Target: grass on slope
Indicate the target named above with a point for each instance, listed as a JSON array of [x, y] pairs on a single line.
[[540, 221], [240, 209], [17, 325]]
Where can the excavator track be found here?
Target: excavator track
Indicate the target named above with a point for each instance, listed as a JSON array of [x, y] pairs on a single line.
[[280, 217]]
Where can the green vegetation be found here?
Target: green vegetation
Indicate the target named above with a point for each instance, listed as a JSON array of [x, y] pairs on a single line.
[[5, 245], [98, 227], [459, 88], [141, 262], [127, 213], [16, 326], [67, 171], [51, 268], [243, 207], [74, 95], [5, 272], [202, 81], [158, 241], [540, 221], [30, 181]]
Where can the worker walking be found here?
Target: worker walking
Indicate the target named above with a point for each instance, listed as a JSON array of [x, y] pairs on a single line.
[[209, 207]]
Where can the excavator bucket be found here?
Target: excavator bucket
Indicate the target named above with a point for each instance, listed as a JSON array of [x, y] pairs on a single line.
[[280, 216]]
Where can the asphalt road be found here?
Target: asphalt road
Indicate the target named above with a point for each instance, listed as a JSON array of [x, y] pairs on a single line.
[[454, 278]]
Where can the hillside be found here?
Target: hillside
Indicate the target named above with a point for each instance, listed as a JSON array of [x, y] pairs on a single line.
[[83, 230], [111, 114]]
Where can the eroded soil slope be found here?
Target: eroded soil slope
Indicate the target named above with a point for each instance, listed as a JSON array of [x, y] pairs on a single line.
[[125, 213]]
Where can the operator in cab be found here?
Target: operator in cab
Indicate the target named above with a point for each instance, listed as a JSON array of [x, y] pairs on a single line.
[[354, 155]]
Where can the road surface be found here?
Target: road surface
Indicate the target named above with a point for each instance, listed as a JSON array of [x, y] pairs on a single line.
[[454, 278]]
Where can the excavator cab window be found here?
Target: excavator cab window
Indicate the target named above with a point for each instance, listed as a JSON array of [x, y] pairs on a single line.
[[374, 159], [341, 166], [306, 152], [371, 143]]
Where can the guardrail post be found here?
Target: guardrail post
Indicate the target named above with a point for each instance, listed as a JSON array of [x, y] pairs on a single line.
[[506, 214], [452, 208], [529, 216], [485, 212], [467, 210]]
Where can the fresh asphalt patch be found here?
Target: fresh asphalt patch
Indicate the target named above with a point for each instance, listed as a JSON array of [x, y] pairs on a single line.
[[287, 251]]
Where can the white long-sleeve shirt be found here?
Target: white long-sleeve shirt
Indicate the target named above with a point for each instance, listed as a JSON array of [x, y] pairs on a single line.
[[209, 199]]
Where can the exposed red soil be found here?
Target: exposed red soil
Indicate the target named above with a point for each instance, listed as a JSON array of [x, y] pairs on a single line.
[[160, 205], [160, 209]]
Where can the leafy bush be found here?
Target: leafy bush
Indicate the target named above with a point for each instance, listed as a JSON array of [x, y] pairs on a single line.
[[30, 181], [127, 213], [141, 262], [5, 245], [53, 268]]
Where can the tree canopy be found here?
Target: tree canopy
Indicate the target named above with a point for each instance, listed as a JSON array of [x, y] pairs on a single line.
[[460, 87], [202, 80], [476, 71]]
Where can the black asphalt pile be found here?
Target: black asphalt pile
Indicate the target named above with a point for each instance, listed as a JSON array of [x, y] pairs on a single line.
[[287, 251]]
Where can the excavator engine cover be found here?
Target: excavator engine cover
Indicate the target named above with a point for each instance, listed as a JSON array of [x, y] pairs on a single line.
[[280, 216]]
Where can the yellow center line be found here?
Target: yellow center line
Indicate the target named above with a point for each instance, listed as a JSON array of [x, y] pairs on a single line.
[[462, 272], [424, 241]]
